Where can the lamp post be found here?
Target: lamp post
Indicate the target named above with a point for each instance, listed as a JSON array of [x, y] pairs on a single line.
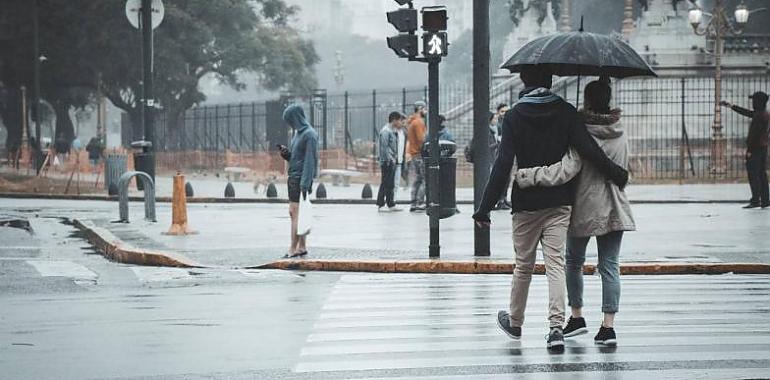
[[718, 26]]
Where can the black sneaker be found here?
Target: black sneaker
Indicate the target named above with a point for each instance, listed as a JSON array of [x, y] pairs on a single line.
[[575, 327], [751, 205], [764, 205], [504, 322], [606, 336], [417, 208], [555, 340]]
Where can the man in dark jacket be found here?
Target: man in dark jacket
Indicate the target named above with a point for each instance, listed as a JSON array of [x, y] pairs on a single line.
[[388, 151], [302, 154], [756, 148], [538, 131]]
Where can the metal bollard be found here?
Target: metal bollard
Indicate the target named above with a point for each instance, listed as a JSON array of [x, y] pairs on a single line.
[[188, 190], [366, 193], [229, 191], [272, 192], [149, 195], [320, 191]]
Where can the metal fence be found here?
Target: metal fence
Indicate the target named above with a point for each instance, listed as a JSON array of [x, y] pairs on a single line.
[[668, 121]]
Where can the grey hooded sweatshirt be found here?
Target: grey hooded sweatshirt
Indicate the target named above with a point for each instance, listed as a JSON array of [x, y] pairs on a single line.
[[303, 162]]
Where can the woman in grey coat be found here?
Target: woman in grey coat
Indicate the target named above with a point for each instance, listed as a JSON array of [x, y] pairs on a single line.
[[601, 210]]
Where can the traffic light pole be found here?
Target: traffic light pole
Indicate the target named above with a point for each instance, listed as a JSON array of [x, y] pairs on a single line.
[[432, 173], [147, 71], [481, 156]]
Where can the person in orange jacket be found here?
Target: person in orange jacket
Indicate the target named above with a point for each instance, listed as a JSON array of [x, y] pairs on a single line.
[[415, 137]]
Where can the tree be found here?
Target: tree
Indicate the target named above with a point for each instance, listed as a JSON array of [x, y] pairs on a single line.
[[200, 38], [90, 46]]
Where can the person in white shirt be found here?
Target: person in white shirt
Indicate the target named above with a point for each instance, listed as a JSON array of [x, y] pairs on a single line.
[[400, 154]]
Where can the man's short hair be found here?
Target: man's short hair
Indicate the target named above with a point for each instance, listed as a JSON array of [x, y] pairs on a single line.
[[536, 76], [419, 104], [395, 115], [500, 106]]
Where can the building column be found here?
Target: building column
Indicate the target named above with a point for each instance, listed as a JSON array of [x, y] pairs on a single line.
[[565, 23], [628, 19]]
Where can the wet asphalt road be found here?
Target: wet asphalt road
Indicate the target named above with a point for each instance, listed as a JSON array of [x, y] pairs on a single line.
[[66, 313]]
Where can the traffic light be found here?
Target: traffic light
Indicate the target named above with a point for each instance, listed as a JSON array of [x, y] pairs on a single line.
[[434, 40], [434, 44], [405, 44], [404, 19], [434, 19]]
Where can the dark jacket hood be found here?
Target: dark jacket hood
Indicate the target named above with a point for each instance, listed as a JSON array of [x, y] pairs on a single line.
[[294, 115]]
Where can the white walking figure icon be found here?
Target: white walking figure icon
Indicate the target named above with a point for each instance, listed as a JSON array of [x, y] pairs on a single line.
[[435, 45]]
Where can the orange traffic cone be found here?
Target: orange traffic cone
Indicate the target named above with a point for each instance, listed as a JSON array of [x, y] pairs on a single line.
[[179, 209]]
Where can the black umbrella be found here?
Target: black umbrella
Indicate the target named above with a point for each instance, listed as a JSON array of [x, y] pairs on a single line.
[[580, 53]]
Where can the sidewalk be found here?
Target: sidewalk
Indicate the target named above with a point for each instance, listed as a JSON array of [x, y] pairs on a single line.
[[256, 234], [212, 187]]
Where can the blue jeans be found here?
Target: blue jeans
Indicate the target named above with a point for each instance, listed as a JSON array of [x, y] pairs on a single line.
[[609, 269]]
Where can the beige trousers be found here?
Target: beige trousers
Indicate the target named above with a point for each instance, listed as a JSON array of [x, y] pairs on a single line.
[[549, 228]]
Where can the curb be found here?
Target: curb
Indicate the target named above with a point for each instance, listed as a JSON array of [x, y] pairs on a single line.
[[94, 197], [115, 249], [502, 267]]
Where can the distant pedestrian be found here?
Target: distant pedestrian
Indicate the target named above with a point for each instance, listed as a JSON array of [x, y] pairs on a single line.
[[400, 157], [444, 134], [388, 159], [538, 131], [95, 149], [501, 109], [415, 139], [601, 210], [302, 154], [494, 143], [756, 148]]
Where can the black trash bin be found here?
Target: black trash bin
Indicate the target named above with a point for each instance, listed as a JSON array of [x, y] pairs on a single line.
[[144, 161], [447, 179]]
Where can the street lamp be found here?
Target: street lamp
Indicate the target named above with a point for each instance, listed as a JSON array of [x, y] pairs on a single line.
[[718, 26]]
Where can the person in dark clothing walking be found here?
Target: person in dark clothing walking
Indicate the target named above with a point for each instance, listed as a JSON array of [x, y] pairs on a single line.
[[538, 131], [756, 148], [302, 154], [388, 157]]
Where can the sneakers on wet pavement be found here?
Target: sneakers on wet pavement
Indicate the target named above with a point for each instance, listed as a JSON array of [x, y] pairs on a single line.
[[555, 340], [504, 322], [575, 327], [606, 336]]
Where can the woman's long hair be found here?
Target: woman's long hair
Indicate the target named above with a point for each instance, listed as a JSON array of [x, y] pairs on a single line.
[[598, 95]]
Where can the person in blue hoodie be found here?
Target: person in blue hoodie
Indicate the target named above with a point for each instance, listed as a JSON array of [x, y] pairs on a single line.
[[302, 154]]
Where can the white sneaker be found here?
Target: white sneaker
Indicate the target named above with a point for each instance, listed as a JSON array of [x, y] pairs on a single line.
[[395, 209]]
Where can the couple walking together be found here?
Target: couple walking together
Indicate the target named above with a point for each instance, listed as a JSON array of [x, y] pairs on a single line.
[[570, 169]]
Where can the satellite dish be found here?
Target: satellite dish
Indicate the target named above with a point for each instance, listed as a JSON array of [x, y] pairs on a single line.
[[133, 10]]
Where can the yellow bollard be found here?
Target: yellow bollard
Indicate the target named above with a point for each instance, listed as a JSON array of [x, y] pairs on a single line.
[[179, 209]]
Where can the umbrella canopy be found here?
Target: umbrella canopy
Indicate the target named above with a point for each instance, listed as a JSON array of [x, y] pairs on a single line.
[[580, 53]]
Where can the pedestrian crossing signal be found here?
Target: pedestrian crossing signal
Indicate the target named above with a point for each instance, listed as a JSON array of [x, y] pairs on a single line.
[[434, 44]]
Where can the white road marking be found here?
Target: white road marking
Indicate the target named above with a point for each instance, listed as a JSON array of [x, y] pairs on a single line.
[[50, 268]]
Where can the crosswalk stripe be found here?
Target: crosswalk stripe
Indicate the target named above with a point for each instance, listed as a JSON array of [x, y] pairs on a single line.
[[372, 323], [54, 268]]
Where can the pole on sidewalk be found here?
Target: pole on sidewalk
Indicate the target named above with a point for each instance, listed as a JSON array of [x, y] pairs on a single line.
[[36, 84], [148, 103], [480, 117], [432, 172]]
